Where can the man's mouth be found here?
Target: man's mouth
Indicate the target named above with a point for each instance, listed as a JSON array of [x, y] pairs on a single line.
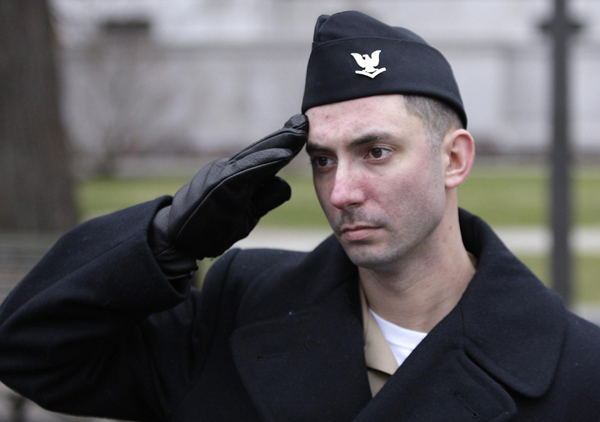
[[357, 232]]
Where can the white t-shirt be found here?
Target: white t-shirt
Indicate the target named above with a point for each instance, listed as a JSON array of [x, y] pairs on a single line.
[[401, 341]]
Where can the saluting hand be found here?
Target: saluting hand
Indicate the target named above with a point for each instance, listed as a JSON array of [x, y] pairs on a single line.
[[226, 199]]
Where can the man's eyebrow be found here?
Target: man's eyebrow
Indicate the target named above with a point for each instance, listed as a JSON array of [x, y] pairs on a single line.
[[368, 138], [312, 147]]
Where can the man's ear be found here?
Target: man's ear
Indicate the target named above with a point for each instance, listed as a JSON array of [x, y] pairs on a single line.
[[458, 150]]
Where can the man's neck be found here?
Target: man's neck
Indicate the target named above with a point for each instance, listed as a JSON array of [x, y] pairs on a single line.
[[424, 287]]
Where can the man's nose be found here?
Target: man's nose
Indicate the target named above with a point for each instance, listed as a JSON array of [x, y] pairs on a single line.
[[347, 188]]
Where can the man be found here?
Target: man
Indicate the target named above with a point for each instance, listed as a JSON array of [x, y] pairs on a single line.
[[413, 311]]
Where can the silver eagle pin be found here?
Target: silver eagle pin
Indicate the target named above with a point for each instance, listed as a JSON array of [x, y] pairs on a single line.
[[369, 64]]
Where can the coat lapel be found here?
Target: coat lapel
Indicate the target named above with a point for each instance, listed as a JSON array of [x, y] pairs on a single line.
[[438, 381], [514, 327], [305, 360]]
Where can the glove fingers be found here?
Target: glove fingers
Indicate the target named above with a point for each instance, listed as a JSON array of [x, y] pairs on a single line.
[[260, 164], [230, 221], [298, 121], [272, 194], [292, 136], [233, 191], [238, 176]]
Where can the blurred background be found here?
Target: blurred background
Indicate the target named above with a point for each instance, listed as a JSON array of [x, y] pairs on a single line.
[[108, 103]]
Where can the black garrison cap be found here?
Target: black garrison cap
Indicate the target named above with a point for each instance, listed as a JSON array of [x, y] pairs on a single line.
[[354, 55]]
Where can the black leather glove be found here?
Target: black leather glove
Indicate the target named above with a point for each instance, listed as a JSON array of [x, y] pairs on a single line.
[[225, 200]]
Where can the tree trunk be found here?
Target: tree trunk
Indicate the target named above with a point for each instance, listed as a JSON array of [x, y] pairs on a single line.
[[36, 188]]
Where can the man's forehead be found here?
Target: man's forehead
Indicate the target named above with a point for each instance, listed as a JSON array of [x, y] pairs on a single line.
[[356, 112], [373, 117]]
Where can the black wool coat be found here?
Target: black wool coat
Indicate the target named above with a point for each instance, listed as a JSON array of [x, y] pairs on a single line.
[[95, 329]]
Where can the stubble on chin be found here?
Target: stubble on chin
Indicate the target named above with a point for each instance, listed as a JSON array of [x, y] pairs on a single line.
[[368, 253]]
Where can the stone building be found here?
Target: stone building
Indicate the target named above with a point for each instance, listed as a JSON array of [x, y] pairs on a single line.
[[209, 76]]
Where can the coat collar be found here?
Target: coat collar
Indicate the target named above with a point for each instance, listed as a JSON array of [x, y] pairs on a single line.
[[514, 327], [300, 330]]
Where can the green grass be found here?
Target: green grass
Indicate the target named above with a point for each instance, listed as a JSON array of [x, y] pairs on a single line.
[[514, 196], [505, 196], [519, 195], [96, 197], [101, 196]]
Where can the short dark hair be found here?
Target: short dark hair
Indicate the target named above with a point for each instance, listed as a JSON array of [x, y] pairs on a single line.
[[437, 117]]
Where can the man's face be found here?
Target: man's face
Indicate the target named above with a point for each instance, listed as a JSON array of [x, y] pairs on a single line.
[[379, 181]]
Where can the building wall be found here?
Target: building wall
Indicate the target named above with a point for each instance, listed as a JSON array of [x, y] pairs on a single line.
[[226, 72]]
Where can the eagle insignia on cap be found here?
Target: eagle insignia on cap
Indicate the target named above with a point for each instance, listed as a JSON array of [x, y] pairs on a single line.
[[368, 64]]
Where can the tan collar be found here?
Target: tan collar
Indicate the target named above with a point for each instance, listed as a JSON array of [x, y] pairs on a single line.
[[378, 353], [381, 363]]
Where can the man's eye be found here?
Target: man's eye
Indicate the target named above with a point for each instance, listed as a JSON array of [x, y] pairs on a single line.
[[378, 152], [321, 161]]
